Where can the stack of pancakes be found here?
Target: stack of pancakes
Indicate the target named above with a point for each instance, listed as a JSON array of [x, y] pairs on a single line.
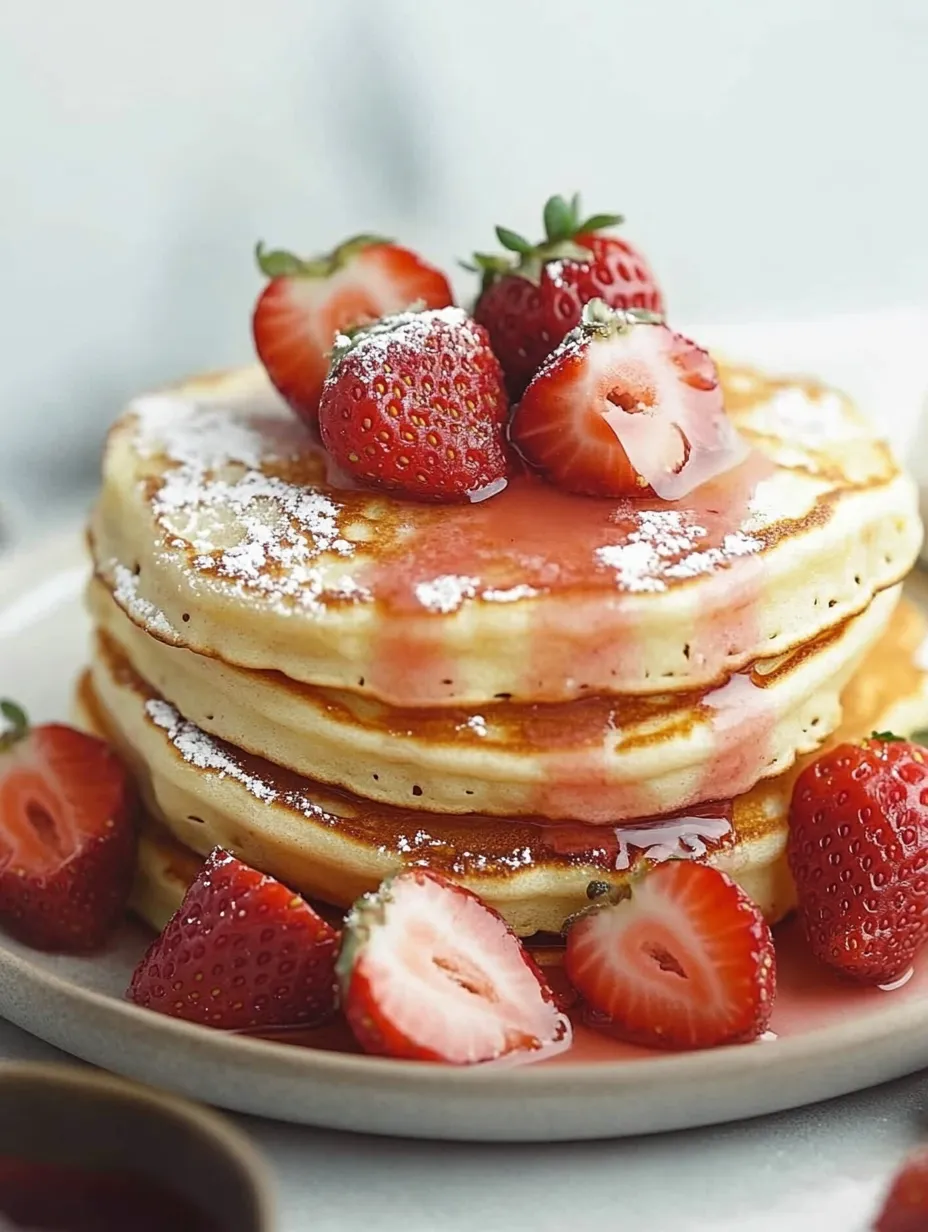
[[533, 693]]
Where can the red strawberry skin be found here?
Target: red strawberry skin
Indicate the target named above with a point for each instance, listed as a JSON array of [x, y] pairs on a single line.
[[67, 839], [624, 407], [416, 405], [683, 960], [306, 303], [242, 952], [428, 972], [906, 1205], [858, 852], [527, 320]]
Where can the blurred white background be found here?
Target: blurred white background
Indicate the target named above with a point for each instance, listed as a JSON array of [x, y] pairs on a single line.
[[769, 155]]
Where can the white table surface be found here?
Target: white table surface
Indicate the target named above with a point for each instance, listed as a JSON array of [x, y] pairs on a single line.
[[821, 1169]]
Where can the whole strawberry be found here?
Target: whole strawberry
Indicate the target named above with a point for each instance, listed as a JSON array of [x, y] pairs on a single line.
[[858, 851], [67, 835], [625, 406], [416, 404], [307, 302], [241, 952], [529, 302]]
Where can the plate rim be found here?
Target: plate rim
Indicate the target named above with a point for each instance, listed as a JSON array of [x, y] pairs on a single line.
[[898, 1027]]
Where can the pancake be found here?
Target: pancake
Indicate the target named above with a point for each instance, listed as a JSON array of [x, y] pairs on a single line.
[[333, 846], [596, 760], [221, 527]]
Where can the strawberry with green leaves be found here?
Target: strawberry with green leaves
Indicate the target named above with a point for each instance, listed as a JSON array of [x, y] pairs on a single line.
[[532, 297], [307, 302]]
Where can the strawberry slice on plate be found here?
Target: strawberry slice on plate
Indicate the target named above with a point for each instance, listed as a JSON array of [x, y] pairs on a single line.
[[67, 838], [684, 959], [428, 972], [623, 406], [307, 302], [241, 952]]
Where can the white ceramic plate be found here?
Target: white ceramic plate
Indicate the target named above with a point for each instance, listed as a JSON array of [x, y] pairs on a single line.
[[830, 1039]]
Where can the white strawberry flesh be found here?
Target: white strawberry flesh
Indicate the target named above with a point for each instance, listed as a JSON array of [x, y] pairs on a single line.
[[660, 395], [444, 977], [685, 960]]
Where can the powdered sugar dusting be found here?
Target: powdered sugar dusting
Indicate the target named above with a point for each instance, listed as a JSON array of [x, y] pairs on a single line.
[[810, 421], [243, 523], [411, 330], [447, 592], [200, 750], [668, 545], [421, 848], [139, 609], [198, 435]]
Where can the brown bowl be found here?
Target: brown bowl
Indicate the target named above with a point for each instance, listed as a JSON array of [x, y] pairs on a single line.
[[62, 1115]]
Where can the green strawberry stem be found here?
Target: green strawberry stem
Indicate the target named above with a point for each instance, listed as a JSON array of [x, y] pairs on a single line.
[[563, 222], [599, 319], [279, 263], [14, 724]]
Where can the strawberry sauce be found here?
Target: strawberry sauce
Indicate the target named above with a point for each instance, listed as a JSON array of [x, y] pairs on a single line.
[[580, 570], [809, 997]]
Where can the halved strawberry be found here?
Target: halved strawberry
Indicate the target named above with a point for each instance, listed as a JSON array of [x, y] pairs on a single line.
[[241, 952], [683, 960], [625, 405], [67, 839], [307, 303], [429, 972]]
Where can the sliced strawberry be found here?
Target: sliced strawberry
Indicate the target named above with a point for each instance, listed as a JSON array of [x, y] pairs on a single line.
[[906, 1205], [306, 303], [428, 972], [625, 405], [684, 960], [241, 952], [67, 839]]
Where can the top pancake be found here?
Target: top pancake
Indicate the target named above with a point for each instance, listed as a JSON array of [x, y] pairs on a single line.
[[221, 527]]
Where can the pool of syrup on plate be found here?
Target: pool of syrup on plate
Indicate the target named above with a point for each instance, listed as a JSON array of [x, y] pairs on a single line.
[[809, 997]]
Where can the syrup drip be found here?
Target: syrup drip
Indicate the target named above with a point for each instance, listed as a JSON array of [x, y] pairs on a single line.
[[588, 561]]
